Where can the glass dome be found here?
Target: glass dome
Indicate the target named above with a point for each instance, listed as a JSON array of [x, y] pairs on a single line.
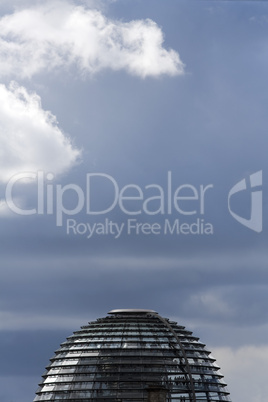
[[132, 355]]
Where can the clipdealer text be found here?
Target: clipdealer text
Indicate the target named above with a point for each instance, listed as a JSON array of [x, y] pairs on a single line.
[[131, 199]]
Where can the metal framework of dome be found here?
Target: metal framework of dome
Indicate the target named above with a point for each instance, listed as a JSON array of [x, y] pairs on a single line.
[[132, 355]]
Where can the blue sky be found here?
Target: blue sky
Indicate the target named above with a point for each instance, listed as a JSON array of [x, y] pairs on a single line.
[[133, 90]]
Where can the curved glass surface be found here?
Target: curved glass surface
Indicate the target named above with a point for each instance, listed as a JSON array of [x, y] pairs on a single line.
[[132, 355]]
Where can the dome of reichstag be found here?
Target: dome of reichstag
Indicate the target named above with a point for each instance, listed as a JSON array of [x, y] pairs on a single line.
[[132, 355]]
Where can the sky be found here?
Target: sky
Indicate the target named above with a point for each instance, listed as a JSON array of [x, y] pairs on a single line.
[[133, 161]]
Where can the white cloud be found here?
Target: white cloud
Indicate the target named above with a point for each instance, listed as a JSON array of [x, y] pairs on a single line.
[[245, 371], [212, 302], [30, 139], [59, 35]]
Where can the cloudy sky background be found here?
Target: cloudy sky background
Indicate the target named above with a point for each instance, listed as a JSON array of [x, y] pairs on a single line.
[[133, 90]]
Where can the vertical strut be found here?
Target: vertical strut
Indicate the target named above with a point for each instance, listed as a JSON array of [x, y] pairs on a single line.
[[167, 324]]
